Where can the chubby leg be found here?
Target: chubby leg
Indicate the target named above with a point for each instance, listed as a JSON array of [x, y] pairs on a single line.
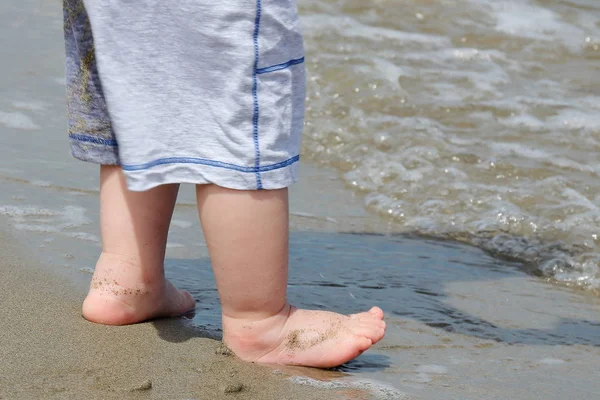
[[247, 236], [129, 284]]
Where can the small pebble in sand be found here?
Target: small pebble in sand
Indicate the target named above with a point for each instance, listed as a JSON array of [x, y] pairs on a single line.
[[146, 385], [234, 387]]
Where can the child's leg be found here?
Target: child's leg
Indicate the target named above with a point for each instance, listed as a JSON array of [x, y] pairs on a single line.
[[247, 236], [128, 285]]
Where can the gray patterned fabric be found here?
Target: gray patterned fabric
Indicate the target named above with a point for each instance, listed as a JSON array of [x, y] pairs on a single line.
[[91, 135]]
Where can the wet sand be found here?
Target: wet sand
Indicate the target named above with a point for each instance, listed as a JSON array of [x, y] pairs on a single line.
[[462, 325], [49, 351]]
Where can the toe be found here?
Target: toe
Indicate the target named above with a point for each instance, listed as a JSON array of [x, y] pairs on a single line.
[[376, 312], [367, 317], [373, 332], [178, 303], [363, 343], [373, 329], [188, 303], [362, 328], [189, 299]]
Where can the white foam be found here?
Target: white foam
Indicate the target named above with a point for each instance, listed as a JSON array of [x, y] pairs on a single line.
[[37, 219], [303, 214], [519, 149], [432, 369], [379, 390], [181, 224], [524, 121], [41, 183], [352, 28], [420, 378], [515, 18], [25, 211], [552, 361], [387, 70], [83, 236], [73, 217], [574, 119], [36, 228], [17, 120], [30, 105]]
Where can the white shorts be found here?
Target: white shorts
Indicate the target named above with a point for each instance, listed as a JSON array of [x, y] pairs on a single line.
[[187, 92]]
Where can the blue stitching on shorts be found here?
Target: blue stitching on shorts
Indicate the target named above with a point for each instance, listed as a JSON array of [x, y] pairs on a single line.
[[93, 139], [281, 66], [210, 163], [255, 96]]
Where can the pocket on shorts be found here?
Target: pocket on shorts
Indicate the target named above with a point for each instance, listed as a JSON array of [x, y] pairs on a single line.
[[280, 96], [279, 33]]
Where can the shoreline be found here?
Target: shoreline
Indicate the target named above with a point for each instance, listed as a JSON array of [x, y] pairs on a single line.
[[444, 340], [49, 351]]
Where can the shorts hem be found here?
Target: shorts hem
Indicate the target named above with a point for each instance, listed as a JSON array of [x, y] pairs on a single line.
[[94, 153], [274, 176]]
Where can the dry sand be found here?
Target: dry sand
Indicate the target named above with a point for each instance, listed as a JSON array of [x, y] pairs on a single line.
[[49, 351]]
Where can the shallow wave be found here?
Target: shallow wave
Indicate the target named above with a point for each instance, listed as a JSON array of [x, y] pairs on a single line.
[[477, 122]]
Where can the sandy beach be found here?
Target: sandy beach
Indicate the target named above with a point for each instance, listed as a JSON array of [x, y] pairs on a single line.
[[414, 137], [50, 352], [462, 324]]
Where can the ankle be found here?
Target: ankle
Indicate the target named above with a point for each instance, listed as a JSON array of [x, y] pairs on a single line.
[[126, 271], [248, 331], [250, 315]]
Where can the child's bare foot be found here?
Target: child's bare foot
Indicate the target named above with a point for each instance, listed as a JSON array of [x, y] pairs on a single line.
[[120, 296], [303, 337]]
